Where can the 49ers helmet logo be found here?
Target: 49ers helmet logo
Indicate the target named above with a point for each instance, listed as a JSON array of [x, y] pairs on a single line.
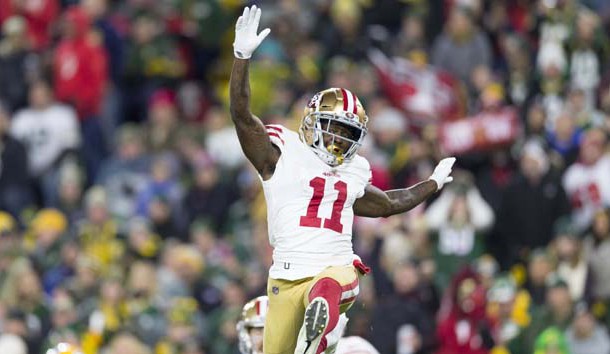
[[314, 102]]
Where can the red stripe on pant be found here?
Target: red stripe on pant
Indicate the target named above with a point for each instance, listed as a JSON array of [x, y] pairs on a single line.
[[331, 291], [350, 286]]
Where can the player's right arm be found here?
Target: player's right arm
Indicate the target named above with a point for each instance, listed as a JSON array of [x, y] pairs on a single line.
[[251, 132]]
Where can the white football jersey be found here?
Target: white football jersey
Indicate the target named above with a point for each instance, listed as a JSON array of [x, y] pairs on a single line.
[[588, 188], [309, 208]]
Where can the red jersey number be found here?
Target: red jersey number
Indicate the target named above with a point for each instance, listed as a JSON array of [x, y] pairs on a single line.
[[311, 219]]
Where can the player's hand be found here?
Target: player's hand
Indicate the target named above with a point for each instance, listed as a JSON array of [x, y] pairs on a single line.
[[246, 37], [442, 171]]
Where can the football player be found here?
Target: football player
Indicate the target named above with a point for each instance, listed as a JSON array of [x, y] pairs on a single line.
[[251, 326], [314, 183]]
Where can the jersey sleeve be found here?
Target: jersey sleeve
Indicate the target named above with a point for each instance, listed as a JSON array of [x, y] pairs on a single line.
[[276, 134]]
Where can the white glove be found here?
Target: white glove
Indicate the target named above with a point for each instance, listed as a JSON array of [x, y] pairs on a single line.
[[246, 39], [442, 171]]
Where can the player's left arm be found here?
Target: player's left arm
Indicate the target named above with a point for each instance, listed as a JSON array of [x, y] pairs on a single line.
[[378, 203]]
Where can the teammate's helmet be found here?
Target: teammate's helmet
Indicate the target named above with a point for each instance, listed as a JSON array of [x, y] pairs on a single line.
[[334, 106], [64, 348], [252, 316]]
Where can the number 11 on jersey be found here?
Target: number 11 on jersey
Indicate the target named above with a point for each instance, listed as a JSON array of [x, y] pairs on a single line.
[[311, 219]]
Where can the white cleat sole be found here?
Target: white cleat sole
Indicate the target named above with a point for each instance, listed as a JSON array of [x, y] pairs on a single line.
[[314, 324]]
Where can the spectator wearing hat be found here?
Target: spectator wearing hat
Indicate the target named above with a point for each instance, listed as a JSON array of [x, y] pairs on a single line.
[[551, 341], [530, 205], [508, 308], [162, 123], [45, 238], [586, 335], [80, 71], [572, 265], [464, 325]]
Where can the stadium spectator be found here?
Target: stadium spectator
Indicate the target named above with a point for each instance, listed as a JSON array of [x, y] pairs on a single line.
[[458, 219], [462, 47], [16, 192], [586, 182], [597, 251], [585, 335], [530, 206], [80, 72], [19, 65], [51, 134]]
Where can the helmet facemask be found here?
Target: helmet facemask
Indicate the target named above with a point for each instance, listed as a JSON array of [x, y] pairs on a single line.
[[250, 340], [251, 326], [335, 137], [334, 125]]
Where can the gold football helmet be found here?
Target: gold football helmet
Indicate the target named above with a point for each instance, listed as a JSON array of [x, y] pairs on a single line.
[[252, 317], [334, 125]]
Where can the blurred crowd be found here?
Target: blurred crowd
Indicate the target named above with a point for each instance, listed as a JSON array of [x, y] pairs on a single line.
[[131, 223]]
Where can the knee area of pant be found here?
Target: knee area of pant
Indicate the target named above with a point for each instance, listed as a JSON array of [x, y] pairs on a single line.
[[325, 287]]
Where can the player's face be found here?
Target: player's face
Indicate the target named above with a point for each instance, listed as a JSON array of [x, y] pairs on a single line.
[[256, 335], [339, 130]]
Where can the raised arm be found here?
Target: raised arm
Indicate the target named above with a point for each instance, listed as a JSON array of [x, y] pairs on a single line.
[[251, 131], [378, 203]]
